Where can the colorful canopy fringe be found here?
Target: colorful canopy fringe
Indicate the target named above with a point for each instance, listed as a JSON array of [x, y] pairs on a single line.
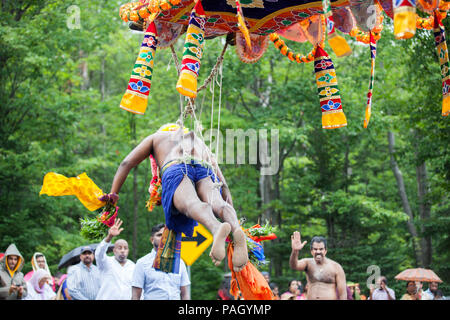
[[135, 98], [442, 52], [82, 187], [373, 55], [193, 51], [327, 88], [404, 18], [336, 42]]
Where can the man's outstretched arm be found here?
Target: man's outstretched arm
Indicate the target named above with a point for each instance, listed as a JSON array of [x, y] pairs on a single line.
[[139, 154]]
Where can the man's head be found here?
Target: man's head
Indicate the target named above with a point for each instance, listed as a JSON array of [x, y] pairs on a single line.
[[87, 255], [157, 232], [381, 280], [318, 247], [40, 260], [12, 261], [433, 287], [121, 250]]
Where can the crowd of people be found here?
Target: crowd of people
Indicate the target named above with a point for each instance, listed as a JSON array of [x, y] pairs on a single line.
[[296, 291], [96, 277], [326, 280], [118, 278]]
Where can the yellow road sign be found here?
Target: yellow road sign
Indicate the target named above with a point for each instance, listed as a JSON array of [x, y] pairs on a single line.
[[193, 247]]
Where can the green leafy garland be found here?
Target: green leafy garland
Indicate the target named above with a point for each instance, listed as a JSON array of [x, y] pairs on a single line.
[[96, 229]]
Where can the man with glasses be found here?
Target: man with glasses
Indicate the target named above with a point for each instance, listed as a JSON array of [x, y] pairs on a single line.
[[83, 280]]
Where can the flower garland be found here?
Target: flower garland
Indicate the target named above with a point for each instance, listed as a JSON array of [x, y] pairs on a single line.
[[428, 23], [135, 11], [155, 188], [297, 57], [254, 235], [364, 37]]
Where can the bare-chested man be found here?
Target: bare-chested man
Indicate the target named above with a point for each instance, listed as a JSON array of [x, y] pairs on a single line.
[[323, 275], [189, 192]]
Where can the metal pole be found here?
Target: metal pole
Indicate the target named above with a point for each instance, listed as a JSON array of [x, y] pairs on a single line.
[[189, 286]]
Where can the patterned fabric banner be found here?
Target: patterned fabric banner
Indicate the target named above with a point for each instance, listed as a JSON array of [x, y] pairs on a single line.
[[135, 98], [193, 51], [337, 43], [442, 52], [169, 252], [327, 88], [404, 18], [373, 55]]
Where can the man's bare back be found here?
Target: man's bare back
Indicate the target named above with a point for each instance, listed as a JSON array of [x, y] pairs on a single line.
[[324, 275], [169, 146]]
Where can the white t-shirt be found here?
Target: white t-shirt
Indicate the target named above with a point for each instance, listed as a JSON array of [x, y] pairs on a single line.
[[116, 279], [159, 285]]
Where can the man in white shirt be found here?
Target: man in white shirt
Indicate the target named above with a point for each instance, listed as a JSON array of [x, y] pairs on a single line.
[[117, 271], [155, 284]]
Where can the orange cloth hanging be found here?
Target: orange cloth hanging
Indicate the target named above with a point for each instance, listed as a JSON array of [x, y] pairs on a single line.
[[249, 281]]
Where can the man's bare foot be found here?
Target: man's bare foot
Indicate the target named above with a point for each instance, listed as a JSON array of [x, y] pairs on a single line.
[[240, 254], [218, 252]]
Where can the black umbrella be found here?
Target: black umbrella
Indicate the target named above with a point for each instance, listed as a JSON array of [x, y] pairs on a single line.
[[73, 257]]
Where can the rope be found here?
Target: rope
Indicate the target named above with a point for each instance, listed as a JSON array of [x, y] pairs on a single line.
[[214, 69], [190, 110]]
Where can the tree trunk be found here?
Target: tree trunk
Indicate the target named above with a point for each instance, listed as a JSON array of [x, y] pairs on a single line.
[[84, 70], [267, 195], [404, 198], [102, 80], [424, 212]]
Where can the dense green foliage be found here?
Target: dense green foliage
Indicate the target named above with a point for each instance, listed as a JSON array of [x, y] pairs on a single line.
[[59, 111]]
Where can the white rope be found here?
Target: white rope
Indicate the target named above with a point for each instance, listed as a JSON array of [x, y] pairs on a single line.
[[218, 120]]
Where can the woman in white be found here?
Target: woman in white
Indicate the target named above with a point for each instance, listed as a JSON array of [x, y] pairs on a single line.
[[38, 288]]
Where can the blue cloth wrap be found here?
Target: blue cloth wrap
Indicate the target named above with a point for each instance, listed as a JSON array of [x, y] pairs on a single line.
[[171, 179]]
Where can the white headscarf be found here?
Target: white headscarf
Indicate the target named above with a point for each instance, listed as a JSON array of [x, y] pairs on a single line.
[[35, 265], [34, 281]]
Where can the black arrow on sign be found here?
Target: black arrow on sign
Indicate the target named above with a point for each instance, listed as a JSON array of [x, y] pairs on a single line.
[[199, 239]]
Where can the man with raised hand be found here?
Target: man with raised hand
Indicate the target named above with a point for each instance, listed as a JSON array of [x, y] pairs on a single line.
[[117, 271], [324, 275]]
